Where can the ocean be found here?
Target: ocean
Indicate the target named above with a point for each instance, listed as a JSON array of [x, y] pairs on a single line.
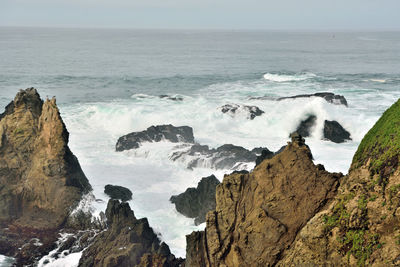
[[108, 82]]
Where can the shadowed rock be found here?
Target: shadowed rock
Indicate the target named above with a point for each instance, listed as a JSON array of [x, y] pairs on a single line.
[[334, 132], [118, 192], [127, 242], [305, 127], [173, 98], [156, 134], [329, 97], [196, 202], [250, 111]]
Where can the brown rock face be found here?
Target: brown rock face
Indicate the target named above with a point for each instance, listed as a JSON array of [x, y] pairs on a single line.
[[258, 215], [41, 181], [127, 242], [361, 226]]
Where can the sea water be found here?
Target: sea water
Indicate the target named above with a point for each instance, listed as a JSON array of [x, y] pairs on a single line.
[[108, 83]]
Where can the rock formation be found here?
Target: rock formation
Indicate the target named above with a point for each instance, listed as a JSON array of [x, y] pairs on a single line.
[[196, 202], [250, 111], [156, 134], [41, 181], [118, 192], [335, 132], [227, 156], [173, 98], [360, 228], [329, 97], [332, 131], [258, 215], [127, 242]]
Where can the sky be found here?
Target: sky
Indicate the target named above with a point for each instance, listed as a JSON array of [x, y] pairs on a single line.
[[204, 14]]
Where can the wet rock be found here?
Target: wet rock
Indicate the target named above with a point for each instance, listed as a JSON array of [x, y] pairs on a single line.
[[127, 242], [329, 97], [334, 132], [118, 192], [227, 156], [250, 111], [156, 134], [257, 215], [196, 202], [305, 126], [173, 98]]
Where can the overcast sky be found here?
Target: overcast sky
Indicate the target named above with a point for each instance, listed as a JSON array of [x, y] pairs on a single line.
[[205, 14]]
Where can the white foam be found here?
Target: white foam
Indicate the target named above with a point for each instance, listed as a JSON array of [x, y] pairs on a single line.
[[153, 178], [288, 78], [6, 261]]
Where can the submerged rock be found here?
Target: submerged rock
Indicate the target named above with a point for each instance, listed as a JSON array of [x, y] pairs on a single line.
[[173, 98], [227, 156], [258, 215], [332, 131], [156, 134], [250, 111], [118, 192], [41, 181], [127, 242], [196, 202]]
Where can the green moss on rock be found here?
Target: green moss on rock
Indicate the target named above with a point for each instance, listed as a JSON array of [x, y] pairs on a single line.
[[381, 144]]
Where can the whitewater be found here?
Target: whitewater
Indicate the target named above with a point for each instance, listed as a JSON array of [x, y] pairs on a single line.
[[108, 84]]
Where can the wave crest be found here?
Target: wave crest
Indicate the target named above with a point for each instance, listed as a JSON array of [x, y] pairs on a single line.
[[274, 77]]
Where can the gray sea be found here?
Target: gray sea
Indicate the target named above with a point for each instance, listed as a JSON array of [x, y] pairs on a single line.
[[108, 82]]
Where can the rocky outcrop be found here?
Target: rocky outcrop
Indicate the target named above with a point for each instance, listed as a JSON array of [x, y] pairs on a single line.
[[41, 181], [233, 109], [335, 132], [227, 156], [118, 192], [156, 134], [127, 242], [196, 202], [258, 215], [332, 131], [329, 97], [305, 126], [360, 227]]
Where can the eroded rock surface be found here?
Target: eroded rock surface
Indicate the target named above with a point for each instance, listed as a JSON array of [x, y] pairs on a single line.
[[234, 109], [41, 181], [156, 134], [258, 215], [127, 242], [196, 202]]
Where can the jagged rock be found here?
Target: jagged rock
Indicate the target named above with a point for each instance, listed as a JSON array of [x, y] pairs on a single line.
[[173, 98], [196, 202], [127, 242], [118, 192], [305, 126], [227, 156], [360, 227], [334, 132], [258, 215], [329, 97], [41, 181], [156, 134], [233, 109]]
